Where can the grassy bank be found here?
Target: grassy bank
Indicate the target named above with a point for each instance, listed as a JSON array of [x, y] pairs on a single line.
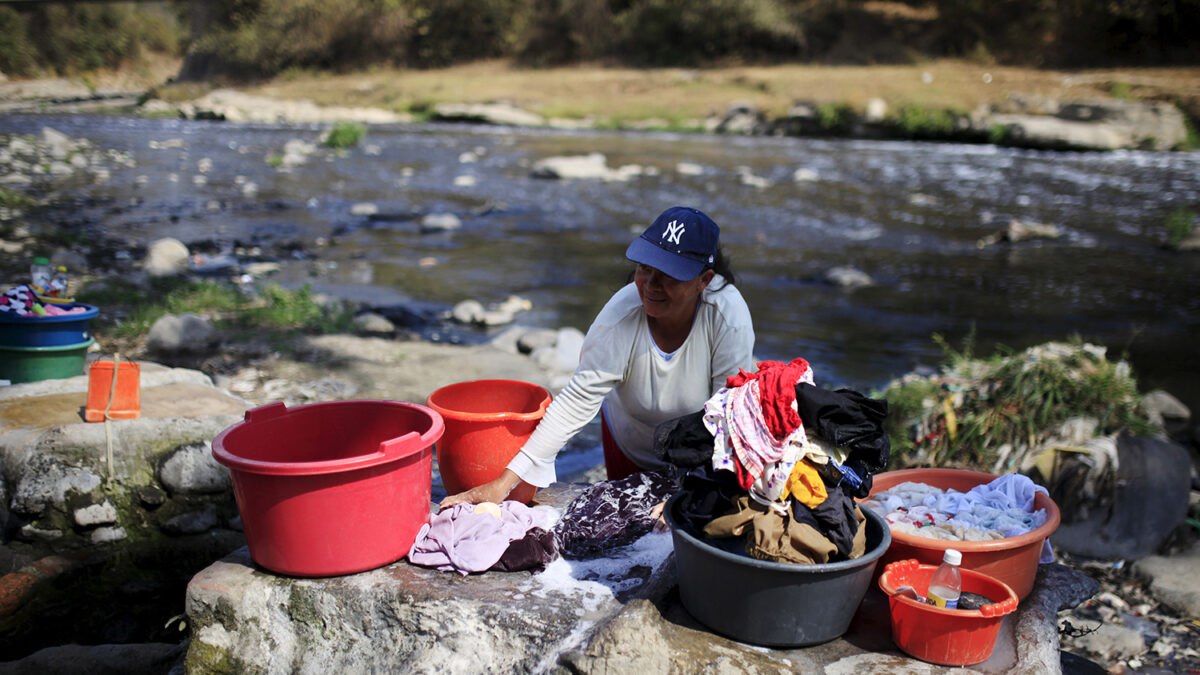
[[627, 94]]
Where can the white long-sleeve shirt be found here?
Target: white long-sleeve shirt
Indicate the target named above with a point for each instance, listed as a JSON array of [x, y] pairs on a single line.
[[621, 368]]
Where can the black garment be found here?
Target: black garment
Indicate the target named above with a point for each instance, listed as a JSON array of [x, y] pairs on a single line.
[[848, 419], [532, 552], [706, 493], [684, 442], [611, 513], [835, 519]]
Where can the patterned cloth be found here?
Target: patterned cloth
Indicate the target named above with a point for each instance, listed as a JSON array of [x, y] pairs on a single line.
[[612, 513], [777, 387]]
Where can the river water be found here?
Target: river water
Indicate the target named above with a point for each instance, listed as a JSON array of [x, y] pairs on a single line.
[[908, 214]]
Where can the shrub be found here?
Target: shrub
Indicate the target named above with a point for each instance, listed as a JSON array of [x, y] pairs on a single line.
[[18, 56], [698, 32], [916, 121], [80, 37], [345, 135], [1180, 223], [992, 414], [265, 37]]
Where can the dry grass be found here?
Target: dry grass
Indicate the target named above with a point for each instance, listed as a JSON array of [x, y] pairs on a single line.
[[621, 94]]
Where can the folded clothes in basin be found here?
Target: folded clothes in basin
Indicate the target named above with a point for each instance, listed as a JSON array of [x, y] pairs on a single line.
[[997, 510]]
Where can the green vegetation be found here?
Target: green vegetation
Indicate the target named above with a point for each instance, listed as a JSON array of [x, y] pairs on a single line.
[[990, 414], [62, 38], [275, 312], [835, 118], [345, 135], [1180, 223], [997, 134], [11, 199], [1193, 136], [1121, 90], [264, 38], [919, 122]]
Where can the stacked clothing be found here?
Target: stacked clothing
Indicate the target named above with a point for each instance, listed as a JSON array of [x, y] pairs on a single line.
[[30, 300], [777, 461], [771, 459], [999, 509]]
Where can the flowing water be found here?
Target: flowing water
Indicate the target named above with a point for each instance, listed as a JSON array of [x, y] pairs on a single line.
[[908, 214]]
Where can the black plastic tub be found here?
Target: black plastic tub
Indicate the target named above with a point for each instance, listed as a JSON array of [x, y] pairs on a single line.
[[770, 603]]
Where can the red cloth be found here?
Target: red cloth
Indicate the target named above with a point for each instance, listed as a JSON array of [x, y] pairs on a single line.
[[616, 463], [777, 390]]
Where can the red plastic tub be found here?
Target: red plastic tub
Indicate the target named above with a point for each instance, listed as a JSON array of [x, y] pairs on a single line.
[[948, 637], [487, 422], [331, 488], [1013, 560]]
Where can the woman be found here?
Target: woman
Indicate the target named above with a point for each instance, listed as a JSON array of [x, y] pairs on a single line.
[[660, 348]]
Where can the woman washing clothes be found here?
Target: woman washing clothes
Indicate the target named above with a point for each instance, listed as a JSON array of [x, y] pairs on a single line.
[[659, 349]]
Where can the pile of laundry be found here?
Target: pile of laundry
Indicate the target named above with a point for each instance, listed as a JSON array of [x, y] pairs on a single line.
[[770, 459], [26, 300], [512, 536], [999, 509], [777, 462]]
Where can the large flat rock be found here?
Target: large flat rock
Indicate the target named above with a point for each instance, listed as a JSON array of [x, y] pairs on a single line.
[[163, 392], [619, 614]]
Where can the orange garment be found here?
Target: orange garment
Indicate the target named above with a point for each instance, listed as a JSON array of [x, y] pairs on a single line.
[[805, 485]]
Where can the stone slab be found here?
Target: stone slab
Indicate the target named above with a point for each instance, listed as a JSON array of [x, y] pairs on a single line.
[[619, 615], [163, 392], [1174, 580]]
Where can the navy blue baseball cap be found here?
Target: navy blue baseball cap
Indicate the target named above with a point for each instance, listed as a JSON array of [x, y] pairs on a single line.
[[681, 242]]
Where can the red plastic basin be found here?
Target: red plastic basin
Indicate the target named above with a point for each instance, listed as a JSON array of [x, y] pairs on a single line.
[[487, 422], [331, 488], [949, 637], [1013, 560]]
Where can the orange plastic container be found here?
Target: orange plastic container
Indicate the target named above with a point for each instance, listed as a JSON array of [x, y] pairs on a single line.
[[948, 637], [1013, 560], [125, 396], [487, 422], [331, 488]]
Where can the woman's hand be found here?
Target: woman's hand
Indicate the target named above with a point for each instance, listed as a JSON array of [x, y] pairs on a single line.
[[660, 523], [495, 492]]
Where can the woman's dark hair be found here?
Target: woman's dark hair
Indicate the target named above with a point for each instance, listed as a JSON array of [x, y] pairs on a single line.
[[721, 266]]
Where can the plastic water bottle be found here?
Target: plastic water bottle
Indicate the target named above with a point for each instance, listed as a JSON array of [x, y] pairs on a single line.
[[58, 284], [946, 585], [39, 273]]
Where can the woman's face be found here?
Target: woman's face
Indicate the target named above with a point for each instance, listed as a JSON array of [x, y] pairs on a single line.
[[664, 297]]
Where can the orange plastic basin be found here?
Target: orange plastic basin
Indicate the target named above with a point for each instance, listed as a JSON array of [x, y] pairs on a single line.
[[1013, 560], [487, 422], [949, 637]]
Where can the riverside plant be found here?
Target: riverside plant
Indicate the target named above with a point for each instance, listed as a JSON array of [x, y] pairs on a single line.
[[1180, 223], [997, 414], [271, 311], [344, 135]]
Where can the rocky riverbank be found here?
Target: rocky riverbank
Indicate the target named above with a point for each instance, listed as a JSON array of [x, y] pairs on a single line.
[[385, 361], [1014, 108]]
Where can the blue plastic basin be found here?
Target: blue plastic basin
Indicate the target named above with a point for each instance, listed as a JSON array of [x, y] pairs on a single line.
[[46, 331]]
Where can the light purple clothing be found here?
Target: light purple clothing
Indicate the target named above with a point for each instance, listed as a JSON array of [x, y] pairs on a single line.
[[461, 540]]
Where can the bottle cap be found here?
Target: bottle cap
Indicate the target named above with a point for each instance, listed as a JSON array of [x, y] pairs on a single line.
[[41, 261], [952, 557]]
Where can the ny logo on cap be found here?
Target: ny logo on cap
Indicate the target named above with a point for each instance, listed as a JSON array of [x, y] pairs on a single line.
[[673, 232]]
